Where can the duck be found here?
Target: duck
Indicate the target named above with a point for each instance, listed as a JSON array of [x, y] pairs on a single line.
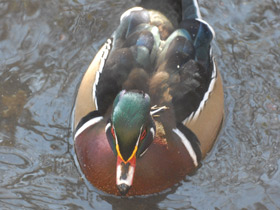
[[150, 105]]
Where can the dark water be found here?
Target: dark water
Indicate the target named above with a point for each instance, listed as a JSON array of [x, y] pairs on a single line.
[[46, 46]]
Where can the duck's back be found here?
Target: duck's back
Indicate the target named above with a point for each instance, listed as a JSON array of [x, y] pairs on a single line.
[[147, 52]]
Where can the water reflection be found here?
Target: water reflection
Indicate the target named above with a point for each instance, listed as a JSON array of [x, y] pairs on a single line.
[[45, 46]]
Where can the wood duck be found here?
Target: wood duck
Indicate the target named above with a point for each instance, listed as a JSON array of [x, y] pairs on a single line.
[[150, 105]]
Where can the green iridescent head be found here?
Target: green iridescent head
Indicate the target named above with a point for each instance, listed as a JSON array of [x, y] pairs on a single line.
[[131, 126]]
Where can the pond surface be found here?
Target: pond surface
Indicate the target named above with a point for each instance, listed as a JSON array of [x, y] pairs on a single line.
[[46, 46]]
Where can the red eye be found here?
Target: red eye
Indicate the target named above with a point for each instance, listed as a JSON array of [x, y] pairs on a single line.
[[143, 135], [113, 132]]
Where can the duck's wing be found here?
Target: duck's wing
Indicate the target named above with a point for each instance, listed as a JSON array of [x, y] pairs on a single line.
[[186, 71]]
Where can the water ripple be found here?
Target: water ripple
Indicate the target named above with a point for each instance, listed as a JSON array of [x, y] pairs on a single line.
[[46, 46]]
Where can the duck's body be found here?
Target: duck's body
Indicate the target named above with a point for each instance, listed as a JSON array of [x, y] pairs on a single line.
[[150, 102]]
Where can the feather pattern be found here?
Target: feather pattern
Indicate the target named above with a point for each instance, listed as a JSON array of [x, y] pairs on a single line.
[[173, 66]]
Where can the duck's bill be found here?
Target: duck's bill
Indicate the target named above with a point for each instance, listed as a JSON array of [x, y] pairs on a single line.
[[125, 174]]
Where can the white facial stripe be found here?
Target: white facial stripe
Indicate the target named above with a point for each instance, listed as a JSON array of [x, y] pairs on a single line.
[[141, 130], [196, 113], [187, 144], [152, 130], [107, 127], [86, 125], [129, 179]]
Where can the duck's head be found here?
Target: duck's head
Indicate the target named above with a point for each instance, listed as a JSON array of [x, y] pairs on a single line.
[[130, 131]]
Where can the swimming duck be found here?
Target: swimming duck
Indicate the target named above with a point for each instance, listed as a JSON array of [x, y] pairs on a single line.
[[150, 105]]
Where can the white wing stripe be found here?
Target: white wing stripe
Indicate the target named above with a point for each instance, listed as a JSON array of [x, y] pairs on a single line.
[[86, 125], [187, 144]]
